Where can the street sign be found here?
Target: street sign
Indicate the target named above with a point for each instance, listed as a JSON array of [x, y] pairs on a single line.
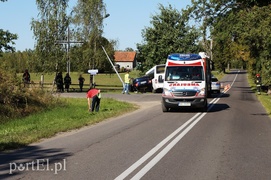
[[93, 71]]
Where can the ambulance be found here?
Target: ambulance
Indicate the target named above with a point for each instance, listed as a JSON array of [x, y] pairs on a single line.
[[187, 82]]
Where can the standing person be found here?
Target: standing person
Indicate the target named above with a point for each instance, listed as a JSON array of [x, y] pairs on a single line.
[[26, 78], [59, 82], [126, 83], [81, 82], [258, 82], [67, 82], [95, 95]]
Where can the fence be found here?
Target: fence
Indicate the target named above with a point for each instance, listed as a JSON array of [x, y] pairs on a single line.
[[75, 87]]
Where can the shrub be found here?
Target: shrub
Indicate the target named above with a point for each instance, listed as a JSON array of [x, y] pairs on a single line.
[[18, 101]]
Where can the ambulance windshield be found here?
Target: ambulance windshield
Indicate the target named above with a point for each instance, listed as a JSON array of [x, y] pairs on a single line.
[[184, 73]]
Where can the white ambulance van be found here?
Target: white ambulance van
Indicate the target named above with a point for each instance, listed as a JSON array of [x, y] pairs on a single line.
[[187, 82], [156, 72]]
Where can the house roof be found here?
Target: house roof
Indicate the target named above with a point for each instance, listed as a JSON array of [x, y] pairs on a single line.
[[125, 56]]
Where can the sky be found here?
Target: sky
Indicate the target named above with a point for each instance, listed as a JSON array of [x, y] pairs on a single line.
[[125, 24]]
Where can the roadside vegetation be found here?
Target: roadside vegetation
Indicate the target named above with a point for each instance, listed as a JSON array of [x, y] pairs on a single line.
[[19, 101], [264, 98], [71, 114], [28, 114]]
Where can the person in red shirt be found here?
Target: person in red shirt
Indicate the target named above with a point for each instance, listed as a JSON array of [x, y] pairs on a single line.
[[95, 95]]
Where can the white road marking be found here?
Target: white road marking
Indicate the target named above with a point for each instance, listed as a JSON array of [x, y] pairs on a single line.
[[154, 150], [159, 156], [187, 126]]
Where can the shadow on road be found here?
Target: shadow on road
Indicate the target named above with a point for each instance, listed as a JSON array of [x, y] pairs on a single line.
[[29, 158], [221, 95], [218, 107]]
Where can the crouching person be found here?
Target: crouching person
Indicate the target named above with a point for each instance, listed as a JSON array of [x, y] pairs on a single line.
[[94, 99]]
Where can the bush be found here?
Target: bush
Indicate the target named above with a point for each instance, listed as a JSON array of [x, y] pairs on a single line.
[[18, 101]]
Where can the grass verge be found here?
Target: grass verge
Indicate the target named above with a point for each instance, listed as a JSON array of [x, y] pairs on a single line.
[[71, 115], [264, 98]]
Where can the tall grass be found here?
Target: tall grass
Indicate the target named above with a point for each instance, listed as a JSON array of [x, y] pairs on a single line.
[[71, 115], [264, 98]]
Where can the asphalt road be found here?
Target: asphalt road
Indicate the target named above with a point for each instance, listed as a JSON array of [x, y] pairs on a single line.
[[230, 141]]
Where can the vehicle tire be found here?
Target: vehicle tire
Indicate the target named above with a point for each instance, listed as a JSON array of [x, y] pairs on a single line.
[[164, 108], [205, 108]]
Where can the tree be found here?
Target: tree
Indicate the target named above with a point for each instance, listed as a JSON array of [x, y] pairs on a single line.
[[88, 20], [129, 49], [6, 40], [170, 33], [51, 27], [244, 36], [239, 30]]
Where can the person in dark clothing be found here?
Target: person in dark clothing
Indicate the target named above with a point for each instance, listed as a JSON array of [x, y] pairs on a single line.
[[26, 78], [81, 82], [67, 82], [59, 82], [258, 82]]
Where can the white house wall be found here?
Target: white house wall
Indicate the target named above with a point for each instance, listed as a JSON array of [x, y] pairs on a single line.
[[126, 65]]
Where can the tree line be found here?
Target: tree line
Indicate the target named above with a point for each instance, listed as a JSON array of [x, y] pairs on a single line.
[[234, 33], [62, 39]]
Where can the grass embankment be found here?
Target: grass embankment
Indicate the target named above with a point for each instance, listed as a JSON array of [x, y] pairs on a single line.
[[264, 98], [71, 114]]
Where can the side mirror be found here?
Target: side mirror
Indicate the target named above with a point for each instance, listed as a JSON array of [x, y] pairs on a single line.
[[160, 79]]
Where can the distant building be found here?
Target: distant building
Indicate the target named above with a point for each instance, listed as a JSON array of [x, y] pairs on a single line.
[[125, 59]]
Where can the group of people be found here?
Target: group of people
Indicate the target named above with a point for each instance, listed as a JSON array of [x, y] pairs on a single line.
[[93, 95], [60, 83], [65, 82]]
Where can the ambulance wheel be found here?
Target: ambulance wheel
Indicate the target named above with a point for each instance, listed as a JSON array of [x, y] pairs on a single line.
[[205, 108]]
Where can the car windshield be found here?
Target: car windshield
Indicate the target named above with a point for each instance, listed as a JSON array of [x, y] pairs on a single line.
[[184, 73]]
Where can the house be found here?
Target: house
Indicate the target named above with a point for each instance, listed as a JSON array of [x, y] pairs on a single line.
[[125, 59]]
